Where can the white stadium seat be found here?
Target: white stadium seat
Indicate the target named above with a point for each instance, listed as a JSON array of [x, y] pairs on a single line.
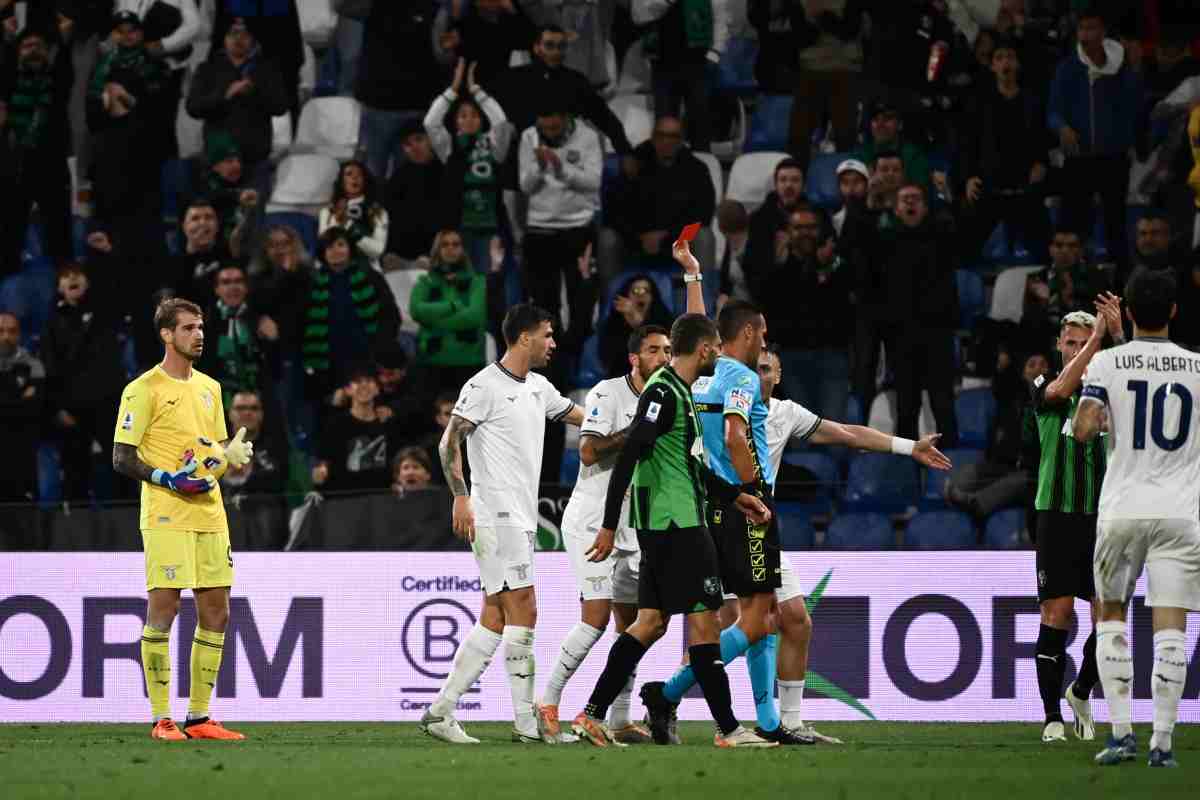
[[752, 178], [402, 282], [635, 72], [635, 115], [1008, 295], [329, 125], [718, 181], [303, 183]]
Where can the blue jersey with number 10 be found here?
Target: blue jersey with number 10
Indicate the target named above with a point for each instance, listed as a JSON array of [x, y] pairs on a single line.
[[733, 389]]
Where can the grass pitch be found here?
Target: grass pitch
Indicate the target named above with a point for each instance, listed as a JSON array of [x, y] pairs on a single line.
[[345, 761]]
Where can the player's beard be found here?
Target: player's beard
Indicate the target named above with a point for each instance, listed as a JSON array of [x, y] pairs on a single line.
[[188, 354], [708, 368]]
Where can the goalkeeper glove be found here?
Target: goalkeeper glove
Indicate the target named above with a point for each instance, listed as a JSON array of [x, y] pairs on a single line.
[[181, 482], [239, 452]]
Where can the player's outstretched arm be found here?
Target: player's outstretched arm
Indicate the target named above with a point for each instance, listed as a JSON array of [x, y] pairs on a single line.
[[861, 437]]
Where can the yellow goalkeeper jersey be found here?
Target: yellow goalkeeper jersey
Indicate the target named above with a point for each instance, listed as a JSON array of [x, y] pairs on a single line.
[[164, 418]]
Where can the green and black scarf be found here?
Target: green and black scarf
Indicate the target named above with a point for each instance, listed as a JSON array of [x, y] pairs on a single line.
[[29, 108], [238, 353], [317, 350]]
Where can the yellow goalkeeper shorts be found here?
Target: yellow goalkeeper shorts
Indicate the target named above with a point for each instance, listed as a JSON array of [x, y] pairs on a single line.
[[187, 559]]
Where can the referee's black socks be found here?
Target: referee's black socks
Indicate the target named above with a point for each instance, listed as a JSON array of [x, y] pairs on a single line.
[[710, 674], [1051, 668], [622, 661]]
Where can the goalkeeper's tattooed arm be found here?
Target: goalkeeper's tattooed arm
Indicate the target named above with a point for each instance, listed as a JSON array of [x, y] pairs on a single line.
[[125, 462]]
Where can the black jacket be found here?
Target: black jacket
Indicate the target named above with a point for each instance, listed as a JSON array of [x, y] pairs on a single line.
[[666, 198], [490, 43], [906, 275], [283, 296], [413, 218], [766, 221], [1003, 147], [247, 117], [279, 37], [521, 90], [808, 307], [81, 350], [398, 69]]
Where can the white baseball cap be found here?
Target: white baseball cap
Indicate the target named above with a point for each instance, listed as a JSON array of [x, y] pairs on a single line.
[[854, 165]]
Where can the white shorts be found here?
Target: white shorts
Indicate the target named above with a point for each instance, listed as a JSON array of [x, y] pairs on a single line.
[[615, 578], [505, 557], [789, 586], [1168, 549]]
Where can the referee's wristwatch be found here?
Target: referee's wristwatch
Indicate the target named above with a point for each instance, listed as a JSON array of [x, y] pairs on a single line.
[[690, 277]]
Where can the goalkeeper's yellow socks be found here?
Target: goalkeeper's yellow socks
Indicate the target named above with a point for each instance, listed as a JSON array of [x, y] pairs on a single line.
[[156, 666], [207, 648]]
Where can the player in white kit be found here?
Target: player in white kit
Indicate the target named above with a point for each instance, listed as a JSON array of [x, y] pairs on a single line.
[[606, 571], [501, 413], [1146, 395]]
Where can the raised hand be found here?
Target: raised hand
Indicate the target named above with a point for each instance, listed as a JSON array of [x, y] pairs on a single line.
[[459, 69], [472, 86], [682, 253]]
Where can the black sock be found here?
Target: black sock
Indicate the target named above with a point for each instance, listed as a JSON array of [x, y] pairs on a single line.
[[1051, 669], [1089, 674], [622, 661], [710, 674]]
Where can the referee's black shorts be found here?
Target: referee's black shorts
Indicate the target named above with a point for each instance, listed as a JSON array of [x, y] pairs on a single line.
[[1066, 545], [678, 573], [749, 553]]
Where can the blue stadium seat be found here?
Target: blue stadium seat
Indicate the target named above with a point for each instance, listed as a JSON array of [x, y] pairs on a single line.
[[735, 73], [569, 472], [940, 530], [795, 526], [881, 482], [825, 469], [29, 295], [662, 280], [854, 411], [821, 183], [935, 480], [860, 532], [176, 185], [591, 369], [975, 409], [303, 224], [1005, 530], [49, 473], [972, 300], [771, 123]]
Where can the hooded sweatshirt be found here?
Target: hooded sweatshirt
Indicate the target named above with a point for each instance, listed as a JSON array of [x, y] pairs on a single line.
[[1100, 103]]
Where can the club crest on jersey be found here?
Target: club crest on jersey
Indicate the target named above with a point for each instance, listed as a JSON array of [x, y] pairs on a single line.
[[208, 399], [169, 571], [712, 585]]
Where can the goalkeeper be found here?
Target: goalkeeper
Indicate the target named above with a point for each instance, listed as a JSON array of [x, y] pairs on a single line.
[[171, 436]]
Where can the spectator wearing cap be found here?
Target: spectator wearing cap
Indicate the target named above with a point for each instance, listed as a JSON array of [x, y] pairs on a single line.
[[416, 180], [224, 182], [241, 347], [1005, 159], [349, 314], [1095, 103], [398, 77], [81, 350], [683, 45], [357, 209], [522, 91], [887, 135], [734, 224], [853, 180], [769, 222], [276, 26], [34, 94], [238, 90], [450, 304], [671, 188], [356, 445], [560, 164], [470, 195]]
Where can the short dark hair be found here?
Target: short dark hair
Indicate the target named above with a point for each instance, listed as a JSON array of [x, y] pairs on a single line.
[[1092, 11], [1066, 230], [689, 331], [411, 453], [1149, 296], [1156, 215], [330, 236], [166, 316], [550, 28], [362, 371], [735, 315], [914, 185], [639, 335], [523, 318], [787, 163], [197, 202], [889, 153], [447, 396]]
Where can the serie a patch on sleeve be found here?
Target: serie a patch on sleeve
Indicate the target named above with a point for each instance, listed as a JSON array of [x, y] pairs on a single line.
[[127, 422], [652, 412]]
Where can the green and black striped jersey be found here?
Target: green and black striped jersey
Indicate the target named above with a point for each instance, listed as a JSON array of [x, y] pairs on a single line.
[[1070, 473]]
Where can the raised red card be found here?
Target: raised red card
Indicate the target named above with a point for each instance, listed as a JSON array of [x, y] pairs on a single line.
[[689, 232]]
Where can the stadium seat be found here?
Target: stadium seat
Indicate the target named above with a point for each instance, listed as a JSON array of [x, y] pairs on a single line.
[[568, 473], [401, 282], [854, 410], [329, 125], [935, 479], [940, 530], [662, 281], [860, 532], [635, 71], [591, 369], [821, 183], [303, 224], [30, 296], [729, 134], [881, 482], [971, 297], [176, 186], [610, 71], [1008, 294], [318, 22], [770, 124], [752, 178], [636, 117], [795, 527], [825, 469], [975, 410], [281, 136], [882, 416], [303, 183], [735, 72], [1005, 530], [718, 182]]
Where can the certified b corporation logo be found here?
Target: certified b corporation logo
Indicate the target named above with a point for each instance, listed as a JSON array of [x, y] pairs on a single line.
[[430, 637]]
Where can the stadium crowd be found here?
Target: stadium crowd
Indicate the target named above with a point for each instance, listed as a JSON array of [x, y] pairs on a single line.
[[914, 192]]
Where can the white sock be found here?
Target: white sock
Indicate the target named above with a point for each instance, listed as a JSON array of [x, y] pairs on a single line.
[[472, 658], [1166, 684], [1116, 675], [518, 660], [791, 697], [575, 647], [618, 712]]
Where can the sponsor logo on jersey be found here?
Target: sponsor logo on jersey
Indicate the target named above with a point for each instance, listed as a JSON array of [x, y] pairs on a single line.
[[740, 400]]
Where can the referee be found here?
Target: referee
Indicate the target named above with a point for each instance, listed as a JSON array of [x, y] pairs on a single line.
[[1070, 474], [679, 574]]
